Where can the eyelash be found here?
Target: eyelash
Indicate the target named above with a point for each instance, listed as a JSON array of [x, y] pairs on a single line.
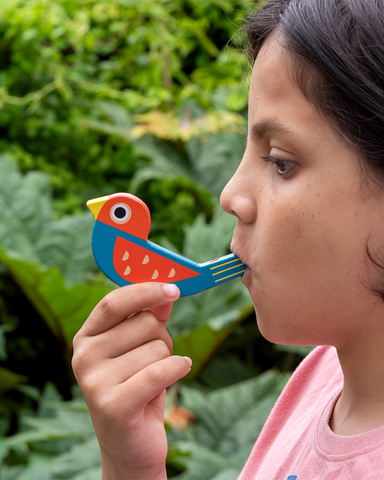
[[280, 163]]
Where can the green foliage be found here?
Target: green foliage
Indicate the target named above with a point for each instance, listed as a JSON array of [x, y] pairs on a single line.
[[46, 256], [28, 229], [59, 442], [228, 421], [61, 61], [184, 174], [63, 308], [9, 380]]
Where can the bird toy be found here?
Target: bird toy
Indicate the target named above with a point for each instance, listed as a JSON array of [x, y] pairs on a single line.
[[123, 252]]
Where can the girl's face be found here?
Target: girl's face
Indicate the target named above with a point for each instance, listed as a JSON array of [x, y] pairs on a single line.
[[304, 216]]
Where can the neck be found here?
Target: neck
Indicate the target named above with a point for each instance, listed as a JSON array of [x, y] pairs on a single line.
[[360, 407]]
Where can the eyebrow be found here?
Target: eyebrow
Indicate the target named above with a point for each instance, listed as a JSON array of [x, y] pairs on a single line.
[[260, 130]]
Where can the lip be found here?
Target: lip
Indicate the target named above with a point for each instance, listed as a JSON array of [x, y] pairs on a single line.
[[234, 250], [247, 271], [246, 276]]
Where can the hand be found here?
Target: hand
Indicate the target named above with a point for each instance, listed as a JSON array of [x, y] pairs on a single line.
[[122, 361]]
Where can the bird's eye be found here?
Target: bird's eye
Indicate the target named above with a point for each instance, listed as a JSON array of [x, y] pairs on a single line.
[[120, 213]]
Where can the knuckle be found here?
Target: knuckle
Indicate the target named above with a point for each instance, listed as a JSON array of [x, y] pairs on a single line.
[[86, 385], [105, 403], [160, 349], [155, 374], [154, 328], [96, 345], [107, 306], [91, 388], [76, 341], [76, 367], [86, 351], [152, 324], [78, 361]]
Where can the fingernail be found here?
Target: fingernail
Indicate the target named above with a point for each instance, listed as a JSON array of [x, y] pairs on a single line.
[[189, 361], [170, 290]]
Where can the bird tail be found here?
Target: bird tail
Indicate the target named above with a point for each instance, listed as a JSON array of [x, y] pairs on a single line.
[[226, 268]]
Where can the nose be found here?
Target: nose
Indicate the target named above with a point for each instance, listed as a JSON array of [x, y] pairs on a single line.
[[239, 195]]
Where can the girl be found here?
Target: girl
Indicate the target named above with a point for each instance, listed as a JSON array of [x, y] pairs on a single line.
[[309, 199]]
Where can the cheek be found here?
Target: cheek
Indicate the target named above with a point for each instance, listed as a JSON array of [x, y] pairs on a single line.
[[293, 237], [305, 268]]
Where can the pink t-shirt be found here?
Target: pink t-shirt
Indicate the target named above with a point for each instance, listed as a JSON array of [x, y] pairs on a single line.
[[296, 442]]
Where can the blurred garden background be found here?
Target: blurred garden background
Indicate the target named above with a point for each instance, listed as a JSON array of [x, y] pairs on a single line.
[[141, 96]]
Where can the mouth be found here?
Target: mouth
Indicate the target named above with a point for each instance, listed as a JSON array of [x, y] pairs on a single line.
[[247, 271], [235, 251]]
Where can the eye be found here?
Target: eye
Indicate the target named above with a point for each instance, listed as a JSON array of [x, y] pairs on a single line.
[[120, 213], [283, 166]]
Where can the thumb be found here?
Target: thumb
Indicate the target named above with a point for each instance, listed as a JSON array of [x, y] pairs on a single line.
[[163, 312]]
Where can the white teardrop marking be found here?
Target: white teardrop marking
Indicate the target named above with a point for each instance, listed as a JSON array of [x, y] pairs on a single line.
[[126, 256], [171, 273], [127, 270], [155, 275], [146, 260]]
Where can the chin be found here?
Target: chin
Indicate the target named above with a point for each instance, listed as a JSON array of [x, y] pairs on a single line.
[[279, 330], [273, 318], [275, 326], [272, 336]]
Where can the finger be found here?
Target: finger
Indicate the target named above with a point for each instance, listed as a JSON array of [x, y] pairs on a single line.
[[162, 312], [138, 329], [112, 372], [152, 380], [125, 301]]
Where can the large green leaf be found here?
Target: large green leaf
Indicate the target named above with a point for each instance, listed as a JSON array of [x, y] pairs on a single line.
[[24, 209], [28, 229], [64, 308], [199, 344], [49, 258], [228, 422], [9, 380], [211, 161], [216, 158], [166, 162], [58, 444]]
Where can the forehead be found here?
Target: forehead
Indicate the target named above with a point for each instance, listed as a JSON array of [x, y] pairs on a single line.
[[273, 94]]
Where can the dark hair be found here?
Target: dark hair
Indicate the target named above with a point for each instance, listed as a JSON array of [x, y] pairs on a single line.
[[337, 50]]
